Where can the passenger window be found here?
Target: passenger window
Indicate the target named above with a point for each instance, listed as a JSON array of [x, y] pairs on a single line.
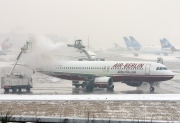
[[160, 68], [157, 68]]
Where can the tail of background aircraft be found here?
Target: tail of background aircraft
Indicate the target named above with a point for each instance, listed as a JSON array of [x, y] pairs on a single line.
[[5, 44], [165, 43], [128, 43], [135, 44]]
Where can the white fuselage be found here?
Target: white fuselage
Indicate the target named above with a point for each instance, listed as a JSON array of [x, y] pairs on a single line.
[[151, 50], [117, 70]]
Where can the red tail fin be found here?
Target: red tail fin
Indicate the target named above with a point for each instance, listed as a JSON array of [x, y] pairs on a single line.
[[5, 44]]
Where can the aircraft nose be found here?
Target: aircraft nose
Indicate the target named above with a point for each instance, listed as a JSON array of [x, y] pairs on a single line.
[[171, 73]]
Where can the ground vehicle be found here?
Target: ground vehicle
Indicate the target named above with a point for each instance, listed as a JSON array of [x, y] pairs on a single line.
[[16, 81]]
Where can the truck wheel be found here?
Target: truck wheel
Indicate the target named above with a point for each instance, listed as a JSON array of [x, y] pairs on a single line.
[[14, 90], [76, 86], [6, 90], [19, 90], [28, 89]]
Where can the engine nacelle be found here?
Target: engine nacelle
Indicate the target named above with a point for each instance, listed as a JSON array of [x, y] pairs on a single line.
[[104, 81], [134, 83], [100, 59], [136, 54], [83, 59]]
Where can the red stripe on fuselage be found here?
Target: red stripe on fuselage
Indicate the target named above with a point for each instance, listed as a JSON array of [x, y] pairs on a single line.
[[116, 78]]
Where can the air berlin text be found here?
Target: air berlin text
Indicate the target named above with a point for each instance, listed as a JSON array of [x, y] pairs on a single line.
[[128, 65]]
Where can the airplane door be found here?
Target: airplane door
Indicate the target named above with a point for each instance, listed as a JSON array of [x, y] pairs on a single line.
[[104, 69], [147, 69], [108, 69]]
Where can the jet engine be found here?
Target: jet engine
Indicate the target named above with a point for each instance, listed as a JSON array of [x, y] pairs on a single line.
[[136, 54], [100, 59], [134, 83], [105, 82], [83, 59]]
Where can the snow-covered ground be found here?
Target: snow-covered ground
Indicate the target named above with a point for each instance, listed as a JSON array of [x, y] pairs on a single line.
[[120, 97], [135, 110]]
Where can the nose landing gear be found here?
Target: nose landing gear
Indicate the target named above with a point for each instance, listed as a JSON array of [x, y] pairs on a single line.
[[152, 89], [151, 86]]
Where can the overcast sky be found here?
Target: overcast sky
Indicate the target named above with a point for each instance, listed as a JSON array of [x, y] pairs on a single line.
[[105, 21]]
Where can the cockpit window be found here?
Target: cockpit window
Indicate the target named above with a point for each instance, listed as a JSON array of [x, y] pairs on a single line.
[[161, 68]]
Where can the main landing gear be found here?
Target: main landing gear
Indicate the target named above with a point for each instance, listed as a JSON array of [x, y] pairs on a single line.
[[90, 87]]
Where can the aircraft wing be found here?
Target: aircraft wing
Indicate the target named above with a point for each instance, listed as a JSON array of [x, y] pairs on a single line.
[[81, 75]]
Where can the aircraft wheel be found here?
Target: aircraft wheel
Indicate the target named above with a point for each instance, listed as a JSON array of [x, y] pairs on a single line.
[[111, 88], [152, 89], [83, 84], [89, 88]]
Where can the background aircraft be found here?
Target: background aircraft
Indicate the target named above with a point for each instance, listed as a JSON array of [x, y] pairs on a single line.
[[130, 46], [166, 45], [5, 47], [117, 48], [134, 45]]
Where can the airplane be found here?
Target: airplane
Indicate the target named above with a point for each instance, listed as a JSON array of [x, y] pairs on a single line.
[[91, 56], [117, 48], [129, 72], [166, 45], [134, 45]]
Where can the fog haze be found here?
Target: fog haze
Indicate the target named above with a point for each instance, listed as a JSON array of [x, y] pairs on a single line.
[[104, 21]]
